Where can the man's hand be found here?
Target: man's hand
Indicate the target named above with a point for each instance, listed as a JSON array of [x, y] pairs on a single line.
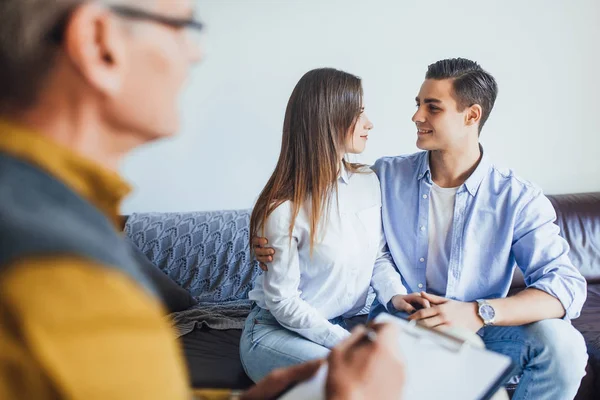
[[264, 254], [446, 312], [278, 380], [361, 369], [410, 302]]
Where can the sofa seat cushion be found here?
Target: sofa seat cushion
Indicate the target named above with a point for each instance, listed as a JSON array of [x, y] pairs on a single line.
[[213, 356], [213, 359], [589, 325]]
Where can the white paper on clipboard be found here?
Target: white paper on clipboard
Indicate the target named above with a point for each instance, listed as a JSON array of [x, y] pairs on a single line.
[[437, 367]]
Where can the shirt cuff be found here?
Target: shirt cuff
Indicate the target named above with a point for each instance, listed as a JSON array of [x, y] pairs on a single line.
[[385, 294], [335, 336], [565, 298]]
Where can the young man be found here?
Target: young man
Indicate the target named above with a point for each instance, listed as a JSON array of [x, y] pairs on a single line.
[[78, 317], [457, 226]]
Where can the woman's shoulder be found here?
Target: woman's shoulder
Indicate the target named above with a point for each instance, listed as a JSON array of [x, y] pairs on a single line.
[[280, 208], [364, 173], [280, 218], [281, 212]]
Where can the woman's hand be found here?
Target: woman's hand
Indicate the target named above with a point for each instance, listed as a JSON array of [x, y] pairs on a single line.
[[410, 302]]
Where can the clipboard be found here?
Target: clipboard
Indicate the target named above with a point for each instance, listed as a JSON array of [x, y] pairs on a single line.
[[480, 368], [438, 365]]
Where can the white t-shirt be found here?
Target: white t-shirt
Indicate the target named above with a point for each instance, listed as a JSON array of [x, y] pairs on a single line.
[[441, 214]]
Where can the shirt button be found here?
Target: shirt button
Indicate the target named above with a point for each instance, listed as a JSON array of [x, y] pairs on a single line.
[[422, 228], [424, 196], [420, 285], [421, 259]]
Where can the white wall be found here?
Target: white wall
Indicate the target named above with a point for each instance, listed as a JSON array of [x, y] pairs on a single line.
[[545, 55]]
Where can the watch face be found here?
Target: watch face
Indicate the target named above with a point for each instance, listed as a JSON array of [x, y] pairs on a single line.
[[487, 312]]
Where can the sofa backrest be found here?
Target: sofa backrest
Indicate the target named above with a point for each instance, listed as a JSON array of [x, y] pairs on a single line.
[[578, 216], [206, 253], [579, 222]]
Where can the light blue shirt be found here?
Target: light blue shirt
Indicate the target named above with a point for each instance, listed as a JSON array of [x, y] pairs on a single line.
[[500, 222]]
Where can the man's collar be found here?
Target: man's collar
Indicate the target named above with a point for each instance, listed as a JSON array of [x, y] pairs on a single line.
[[472, 183]]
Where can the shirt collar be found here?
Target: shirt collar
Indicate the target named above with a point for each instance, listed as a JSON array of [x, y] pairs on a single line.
[[423, 168], [472, 183], [343, 175], [102, 187]]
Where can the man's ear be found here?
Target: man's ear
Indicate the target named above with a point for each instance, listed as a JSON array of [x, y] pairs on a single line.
[[94, 44], [473, 115]]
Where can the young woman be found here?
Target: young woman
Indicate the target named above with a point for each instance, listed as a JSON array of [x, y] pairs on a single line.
[[322, 215]]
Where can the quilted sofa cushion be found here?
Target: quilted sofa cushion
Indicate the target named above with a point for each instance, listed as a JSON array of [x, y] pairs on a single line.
[[206, 253]]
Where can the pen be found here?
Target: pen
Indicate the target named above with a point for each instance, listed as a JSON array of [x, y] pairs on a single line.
[[369, 337]]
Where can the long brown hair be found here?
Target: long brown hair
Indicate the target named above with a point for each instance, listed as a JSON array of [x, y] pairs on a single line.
[[320, 113]]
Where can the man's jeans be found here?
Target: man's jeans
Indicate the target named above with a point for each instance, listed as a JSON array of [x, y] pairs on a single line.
[[550, 356]]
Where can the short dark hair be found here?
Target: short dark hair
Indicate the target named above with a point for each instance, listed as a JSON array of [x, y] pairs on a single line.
[[471, 84]]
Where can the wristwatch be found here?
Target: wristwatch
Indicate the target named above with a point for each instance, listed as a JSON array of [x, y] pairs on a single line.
[[486, 312]]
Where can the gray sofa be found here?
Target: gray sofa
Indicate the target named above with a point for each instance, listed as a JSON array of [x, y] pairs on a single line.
[[207, 255]]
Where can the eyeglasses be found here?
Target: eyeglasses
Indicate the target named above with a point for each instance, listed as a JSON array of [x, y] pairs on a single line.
[[177, 23], [192, 25]]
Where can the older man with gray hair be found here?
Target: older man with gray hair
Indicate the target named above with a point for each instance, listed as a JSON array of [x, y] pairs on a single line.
[[81, 84], [78, 319]]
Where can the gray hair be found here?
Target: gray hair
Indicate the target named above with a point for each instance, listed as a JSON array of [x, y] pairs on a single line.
[[27, 49]]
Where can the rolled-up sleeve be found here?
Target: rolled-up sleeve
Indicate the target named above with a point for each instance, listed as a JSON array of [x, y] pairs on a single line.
[[542, 254]]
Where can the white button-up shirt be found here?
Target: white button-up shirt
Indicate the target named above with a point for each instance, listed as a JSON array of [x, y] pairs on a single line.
[[350, 254]]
